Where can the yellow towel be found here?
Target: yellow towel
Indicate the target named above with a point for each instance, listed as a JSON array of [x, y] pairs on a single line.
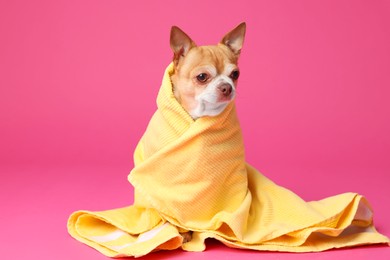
[[192, 175]]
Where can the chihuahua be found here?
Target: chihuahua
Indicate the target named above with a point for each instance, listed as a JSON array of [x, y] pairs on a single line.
[[205, 77]]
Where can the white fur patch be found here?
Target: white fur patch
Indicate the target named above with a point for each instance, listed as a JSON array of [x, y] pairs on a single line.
[[208, 100]]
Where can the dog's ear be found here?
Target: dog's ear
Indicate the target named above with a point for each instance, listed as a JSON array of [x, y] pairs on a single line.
[[181, 43], [235, 38]]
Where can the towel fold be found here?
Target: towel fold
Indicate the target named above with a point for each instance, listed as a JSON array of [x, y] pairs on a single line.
[[192, 176]]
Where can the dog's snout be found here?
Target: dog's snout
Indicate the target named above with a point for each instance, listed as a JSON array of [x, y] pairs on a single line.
[[226, 89]]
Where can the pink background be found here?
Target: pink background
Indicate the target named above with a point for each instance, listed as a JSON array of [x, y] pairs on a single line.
[[78, 81]]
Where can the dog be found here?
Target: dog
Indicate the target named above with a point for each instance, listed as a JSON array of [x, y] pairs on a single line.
[[205, 77]]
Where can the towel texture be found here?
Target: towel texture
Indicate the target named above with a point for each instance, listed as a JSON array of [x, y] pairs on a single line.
[[192, 175]]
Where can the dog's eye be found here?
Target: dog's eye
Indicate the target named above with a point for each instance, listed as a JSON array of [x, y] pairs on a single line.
[[202, 77], [235, 74]]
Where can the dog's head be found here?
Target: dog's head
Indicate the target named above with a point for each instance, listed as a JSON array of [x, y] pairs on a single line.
[[205, 77]]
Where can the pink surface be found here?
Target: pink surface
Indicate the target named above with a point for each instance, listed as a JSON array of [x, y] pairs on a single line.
[[78, 81]]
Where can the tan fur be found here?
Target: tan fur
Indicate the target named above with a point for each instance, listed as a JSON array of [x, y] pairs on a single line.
[[184, 80], [216, 62]]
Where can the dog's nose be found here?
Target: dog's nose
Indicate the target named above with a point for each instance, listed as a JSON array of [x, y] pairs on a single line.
[[226, 89]]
